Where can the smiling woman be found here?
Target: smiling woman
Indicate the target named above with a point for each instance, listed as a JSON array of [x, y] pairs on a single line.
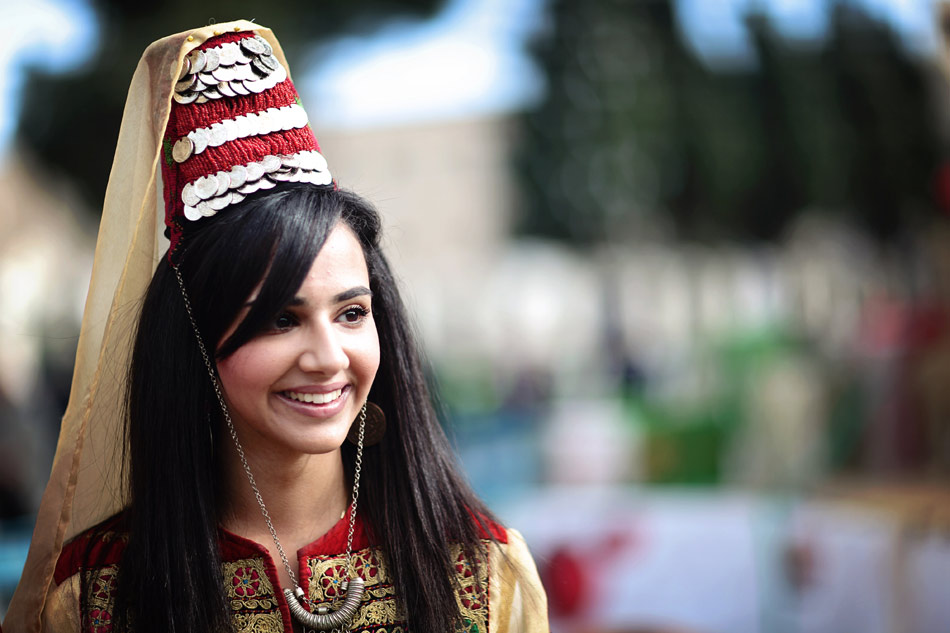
[[274, 401], [297, 388]]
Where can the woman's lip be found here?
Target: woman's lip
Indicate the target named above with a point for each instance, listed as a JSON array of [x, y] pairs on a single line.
[[312, 410], [318, 388]]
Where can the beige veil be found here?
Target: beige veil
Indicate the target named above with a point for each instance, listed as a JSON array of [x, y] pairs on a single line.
[[85, 483]]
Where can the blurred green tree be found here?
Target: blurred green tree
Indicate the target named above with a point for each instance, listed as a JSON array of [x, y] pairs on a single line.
[[71, 123], [636, 133]]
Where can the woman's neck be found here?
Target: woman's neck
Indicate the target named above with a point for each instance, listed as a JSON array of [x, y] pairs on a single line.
[[305, 496]]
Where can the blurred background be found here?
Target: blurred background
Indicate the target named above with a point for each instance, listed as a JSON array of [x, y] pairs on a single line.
[[681, 269]]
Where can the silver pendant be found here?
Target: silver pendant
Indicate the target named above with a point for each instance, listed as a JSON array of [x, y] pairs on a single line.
[[334, 619]]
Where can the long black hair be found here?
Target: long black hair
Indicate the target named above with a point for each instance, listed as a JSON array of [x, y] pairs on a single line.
[[413, 499]]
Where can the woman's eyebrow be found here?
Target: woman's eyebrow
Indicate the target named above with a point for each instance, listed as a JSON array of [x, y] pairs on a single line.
[[346, 295], [352, 293]]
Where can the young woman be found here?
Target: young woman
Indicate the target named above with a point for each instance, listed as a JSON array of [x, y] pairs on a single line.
[[281, 466]]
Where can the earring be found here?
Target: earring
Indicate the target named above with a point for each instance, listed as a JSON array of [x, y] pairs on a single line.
[[374, 426]]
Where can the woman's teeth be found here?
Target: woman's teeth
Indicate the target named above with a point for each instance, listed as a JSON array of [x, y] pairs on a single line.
[[314, 398]]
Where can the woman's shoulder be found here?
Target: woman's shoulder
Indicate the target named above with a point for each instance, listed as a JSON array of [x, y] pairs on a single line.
[[100, 546], [488, 528], [518, 599]]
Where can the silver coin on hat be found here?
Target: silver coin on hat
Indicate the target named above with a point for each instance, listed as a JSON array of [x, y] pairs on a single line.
[[198, 85], [201, 139], [185, 68], [197, 61], [304, 160], [269, 61], [254, 172], [267, 122], [183, 149], [189, 196], [224, 73], [265, 47], [268, 82], [206, 187], [271, 163], [230, 129], [224, 182], [243, 57], [219, 202], [255, 86], [237, 197], [253, 45], [249, 188], [238, 88], [228, 54], [320, 163], [211, 59], [245, 127], [280, 74], [185, 98], [290, 160], [287, 121], [299, 116], [201, 98], [264, 183], [225, 89], [217, 134], [192, 213], [205, 208], [260, 68], [211, 93], [185, 84], [238, 175], [321, 178], [207, 79], [248, 73]]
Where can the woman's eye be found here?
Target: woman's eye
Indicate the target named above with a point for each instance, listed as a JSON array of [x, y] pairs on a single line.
[[354, 314], [284, 321]]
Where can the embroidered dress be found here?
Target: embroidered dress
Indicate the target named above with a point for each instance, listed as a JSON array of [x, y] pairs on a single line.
[[504, 596]]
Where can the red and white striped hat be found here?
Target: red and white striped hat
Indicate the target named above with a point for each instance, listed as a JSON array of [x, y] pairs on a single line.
[[236, 126]]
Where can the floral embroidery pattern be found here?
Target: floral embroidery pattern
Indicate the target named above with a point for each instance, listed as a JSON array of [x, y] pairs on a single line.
[[379, 611], [99, 585], [248, 588], [473, 591]]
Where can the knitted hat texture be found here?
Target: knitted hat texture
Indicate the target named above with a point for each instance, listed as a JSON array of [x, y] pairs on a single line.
[[236, 126]]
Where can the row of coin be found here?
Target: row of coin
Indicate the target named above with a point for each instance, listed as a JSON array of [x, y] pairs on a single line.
[[242, 126], [209, 194], [228, 70]]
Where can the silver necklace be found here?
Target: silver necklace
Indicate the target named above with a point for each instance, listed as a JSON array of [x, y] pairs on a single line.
[[324, 619]]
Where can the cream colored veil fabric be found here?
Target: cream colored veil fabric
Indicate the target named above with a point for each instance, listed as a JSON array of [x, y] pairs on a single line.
[[85, 483]]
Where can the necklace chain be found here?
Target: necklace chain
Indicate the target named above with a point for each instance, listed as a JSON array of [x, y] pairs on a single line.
[[247, 469]]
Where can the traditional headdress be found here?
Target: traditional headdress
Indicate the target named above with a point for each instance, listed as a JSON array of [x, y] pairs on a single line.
[[236, 126], [211, 115]]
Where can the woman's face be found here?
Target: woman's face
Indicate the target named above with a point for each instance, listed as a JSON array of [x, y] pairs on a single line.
[[298, 386]]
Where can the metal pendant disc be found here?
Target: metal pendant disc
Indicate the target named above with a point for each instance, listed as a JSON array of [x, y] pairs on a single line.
[[183, 149]]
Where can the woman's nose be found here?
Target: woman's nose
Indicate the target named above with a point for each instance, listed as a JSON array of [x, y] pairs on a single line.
[[322, 351]]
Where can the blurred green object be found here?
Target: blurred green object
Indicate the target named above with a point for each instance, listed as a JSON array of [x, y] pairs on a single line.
[[725, 431]]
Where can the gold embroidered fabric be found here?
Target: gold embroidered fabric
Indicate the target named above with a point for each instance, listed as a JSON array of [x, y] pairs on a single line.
[[505, 595], [100, 587], [379, 610], [248, 587]]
